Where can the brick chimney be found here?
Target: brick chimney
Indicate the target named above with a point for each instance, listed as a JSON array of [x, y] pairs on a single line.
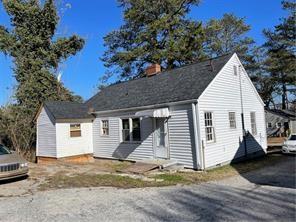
[[153, 69]]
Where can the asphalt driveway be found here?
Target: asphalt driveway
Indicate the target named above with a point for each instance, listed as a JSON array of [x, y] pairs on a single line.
[[268, 194]]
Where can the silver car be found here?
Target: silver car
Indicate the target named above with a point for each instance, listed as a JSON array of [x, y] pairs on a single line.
[[290, 144], [11, 164]]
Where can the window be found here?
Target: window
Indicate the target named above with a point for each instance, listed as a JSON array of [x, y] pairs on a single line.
[[253, 123], [232, 121], [279, 124], [75, 130], [235, 70], [131, 130], [105, 127], [269, 125], [136, 129], [209, 126], [125, 130]]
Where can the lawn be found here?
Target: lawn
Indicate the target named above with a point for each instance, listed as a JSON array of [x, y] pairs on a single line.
[[66, 180]]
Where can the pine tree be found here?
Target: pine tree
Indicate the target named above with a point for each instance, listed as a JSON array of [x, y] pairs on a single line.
[[228, 35], [36, 55], [281, 49], [153, 32]]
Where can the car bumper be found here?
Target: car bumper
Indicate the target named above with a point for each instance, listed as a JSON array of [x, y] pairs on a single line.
[[14, 174], [289, 150]]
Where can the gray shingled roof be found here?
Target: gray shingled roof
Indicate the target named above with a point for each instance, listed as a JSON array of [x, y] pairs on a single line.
[[68, 110], [290, 114], [184, 83]]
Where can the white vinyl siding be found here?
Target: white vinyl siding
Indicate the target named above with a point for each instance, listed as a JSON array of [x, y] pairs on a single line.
[[113, 146], [72, 146], [180, 130], [46, 135], [181, 135], [221, 97]]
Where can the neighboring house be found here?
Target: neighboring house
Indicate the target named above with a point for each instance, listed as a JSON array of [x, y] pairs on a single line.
[[191, 114], [280, 122]]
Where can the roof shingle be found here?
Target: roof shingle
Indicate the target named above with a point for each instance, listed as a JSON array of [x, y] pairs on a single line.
[[184, 83]]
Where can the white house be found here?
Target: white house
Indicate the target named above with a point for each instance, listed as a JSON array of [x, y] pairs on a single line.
[[200, 115]]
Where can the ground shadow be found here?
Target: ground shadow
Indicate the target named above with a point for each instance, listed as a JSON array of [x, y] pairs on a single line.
[[213, 202], [13, 180], [280, 177]]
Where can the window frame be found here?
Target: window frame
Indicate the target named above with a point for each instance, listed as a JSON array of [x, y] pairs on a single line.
[[71, 131], [253, 124], [211, 127], [130, 130], [269, 125], [105, 127], [232, 122]]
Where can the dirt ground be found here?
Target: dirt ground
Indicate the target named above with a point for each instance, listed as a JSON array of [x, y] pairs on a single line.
[[105, 173], [39, 173], [266, 194]]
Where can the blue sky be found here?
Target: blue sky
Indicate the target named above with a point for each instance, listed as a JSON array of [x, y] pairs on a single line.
[[93, 19]]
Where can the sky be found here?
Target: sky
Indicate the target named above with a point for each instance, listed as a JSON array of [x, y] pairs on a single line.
[[93, 19]]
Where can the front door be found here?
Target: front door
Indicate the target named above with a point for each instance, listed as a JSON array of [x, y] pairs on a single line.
[[161, 138]]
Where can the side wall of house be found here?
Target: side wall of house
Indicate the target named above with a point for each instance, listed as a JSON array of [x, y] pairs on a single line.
[[72, 146], [111, 146], [180, 131], [221, 97], [274, 120], [46, 135]]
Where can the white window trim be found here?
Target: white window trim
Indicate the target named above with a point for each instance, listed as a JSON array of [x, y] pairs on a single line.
[[105, 135], [229, 122], [75, 137], [213, 126], [130, 130]]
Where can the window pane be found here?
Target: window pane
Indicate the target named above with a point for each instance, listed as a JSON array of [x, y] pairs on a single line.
[[74, 127], [125, 124], [136, 130], [76, 133], [125, 135]]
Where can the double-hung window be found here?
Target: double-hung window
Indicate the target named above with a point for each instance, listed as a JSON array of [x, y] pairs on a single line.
[[209, 126], [131, 130], [75, 130], [105, 128], [253, 123], [232, 120]]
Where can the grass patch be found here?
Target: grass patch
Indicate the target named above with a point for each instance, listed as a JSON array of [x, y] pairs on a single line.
[[62, 180]]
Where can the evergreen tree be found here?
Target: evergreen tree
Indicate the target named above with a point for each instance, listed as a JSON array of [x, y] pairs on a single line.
[[153, 32], [36, 55], [281, 49], [228, 35]]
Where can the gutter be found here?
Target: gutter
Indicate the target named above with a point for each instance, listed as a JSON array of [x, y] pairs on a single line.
[[146, 107], [197, 137]]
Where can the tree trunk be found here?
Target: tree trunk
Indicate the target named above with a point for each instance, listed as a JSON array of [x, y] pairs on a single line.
[[284, 96]]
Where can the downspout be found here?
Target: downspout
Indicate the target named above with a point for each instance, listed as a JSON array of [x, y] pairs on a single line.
[[242, 111], [197, 143]]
